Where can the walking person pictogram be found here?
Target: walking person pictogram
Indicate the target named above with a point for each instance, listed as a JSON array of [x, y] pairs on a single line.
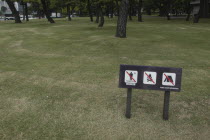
[[131, 77]]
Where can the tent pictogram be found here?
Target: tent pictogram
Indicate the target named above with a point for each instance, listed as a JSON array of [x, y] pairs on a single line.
[[150, 78], [131, 77], [169, 79]]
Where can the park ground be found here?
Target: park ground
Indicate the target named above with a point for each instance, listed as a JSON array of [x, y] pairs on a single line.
[[60, 81]]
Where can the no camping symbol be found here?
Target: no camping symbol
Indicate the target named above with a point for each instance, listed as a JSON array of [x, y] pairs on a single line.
[[169, 79], [131, 77]]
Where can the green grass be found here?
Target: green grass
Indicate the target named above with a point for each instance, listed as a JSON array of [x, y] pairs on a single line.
[[60, 81]]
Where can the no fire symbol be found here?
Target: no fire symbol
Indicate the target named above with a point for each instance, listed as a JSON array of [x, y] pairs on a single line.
[[131, 77], [169, 79], [150, 78]]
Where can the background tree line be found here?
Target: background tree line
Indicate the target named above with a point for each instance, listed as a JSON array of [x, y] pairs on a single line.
[[99, 8]]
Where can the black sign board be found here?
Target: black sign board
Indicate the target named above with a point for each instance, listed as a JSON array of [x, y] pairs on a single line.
[[151, 78]]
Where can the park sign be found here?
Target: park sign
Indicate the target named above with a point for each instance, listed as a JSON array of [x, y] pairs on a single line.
[[150, 78]]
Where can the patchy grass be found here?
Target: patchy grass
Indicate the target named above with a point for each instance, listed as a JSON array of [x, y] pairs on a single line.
[[60, 81]]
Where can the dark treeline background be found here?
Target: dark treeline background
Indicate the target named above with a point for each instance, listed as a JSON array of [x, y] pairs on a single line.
[[123, 9]]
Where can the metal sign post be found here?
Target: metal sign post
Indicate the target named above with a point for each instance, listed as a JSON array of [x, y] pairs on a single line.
[[150, 78]]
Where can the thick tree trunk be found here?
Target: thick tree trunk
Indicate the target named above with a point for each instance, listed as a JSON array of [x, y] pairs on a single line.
[[90, 11], [139, 11], [101, 22], [69, 12], [26, 11], [46, 12], [122, 19], [14, 11]]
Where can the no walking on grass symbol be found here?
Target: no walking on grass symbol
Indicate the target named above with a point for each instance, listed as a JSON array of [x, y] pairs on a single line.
[[151, 78], [131, 77]]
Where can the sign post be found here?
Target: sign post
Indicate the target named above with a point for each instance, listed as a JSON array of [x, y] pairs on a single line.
[[150, 78], [166, 105], [128, 103]]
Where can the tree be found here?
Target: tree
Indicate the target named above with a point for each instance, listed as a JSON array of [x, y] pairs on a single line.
[[89, 10], [168, 8], [46, 11], [14, 11], [130, 13], [122, 19], [139, 11], [101, 20], [25, 10]]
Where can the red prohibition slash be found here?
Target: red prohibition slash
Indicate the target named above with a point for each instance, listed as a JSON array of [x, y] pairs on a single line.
[[130, 76], [149, 77], [169, 79]]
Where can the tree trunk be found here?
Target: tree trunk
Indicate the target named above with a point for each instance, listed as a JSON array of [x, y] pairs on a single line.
[[161, 11], [118, 9], [107, 11], [14, 11], [130, 10], [101, 23], [69, 12], [90, 11], [97, 18], [139, 11], [46, 12], [188, 12], [196, 18], [112, 8], [26, 11], [97, 14], [122, 19], [61, 14], [168, 8], [39, 14]]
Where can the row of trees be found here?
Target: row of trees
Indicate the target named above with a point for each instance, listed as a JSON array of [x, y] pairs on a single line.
[[101, 8]]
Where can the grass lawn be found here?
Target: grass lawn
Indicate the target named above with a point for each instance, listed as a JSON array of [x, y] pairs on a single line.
[[60, 81]]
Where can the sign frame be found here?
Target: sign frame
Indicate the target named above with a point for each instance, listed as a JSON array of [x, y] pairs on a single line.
[[163, 74]]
